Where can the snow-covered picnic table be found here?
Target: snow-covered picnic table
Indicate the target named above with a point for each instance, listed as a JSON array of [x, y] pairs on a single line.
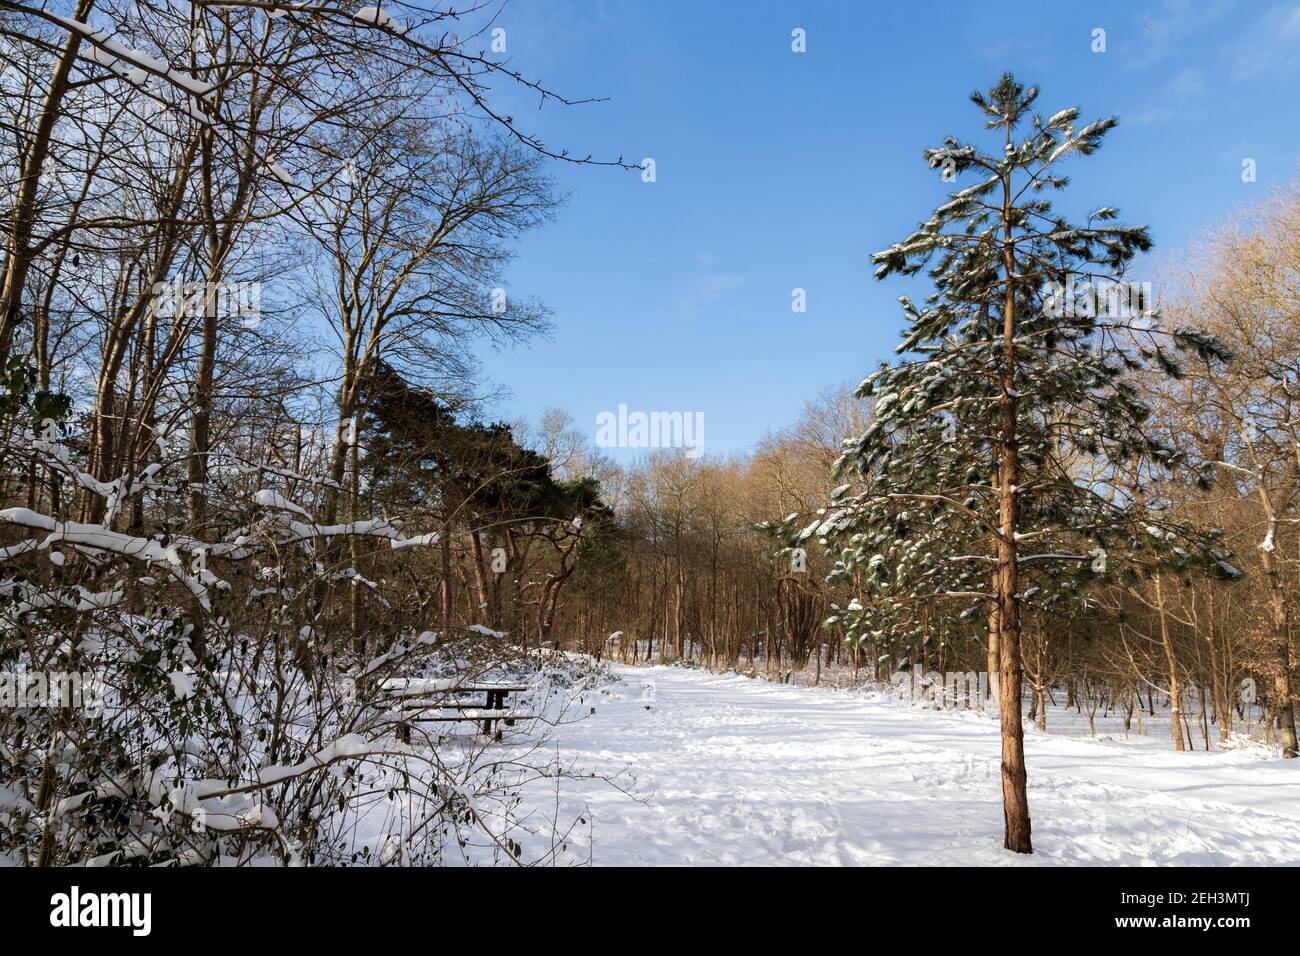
[[492, 709]]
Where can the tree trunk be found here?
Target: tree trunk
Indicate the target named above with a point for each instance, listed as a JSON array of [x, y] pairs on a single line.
[[1175, 689], [444, 592], [994, 654], [485, 609], [18, 257], [1281, 615], [1280, 620], [1015, 799]]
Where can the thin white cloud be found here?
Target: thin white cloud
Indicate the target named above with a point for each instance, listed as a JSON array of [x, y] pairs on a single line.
[[1164, 29], [1178, 99], [1270, 47]]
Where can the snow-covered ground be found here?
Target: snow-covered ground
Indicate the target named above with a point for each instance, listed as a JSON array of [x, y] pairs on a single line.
[[705, 768]]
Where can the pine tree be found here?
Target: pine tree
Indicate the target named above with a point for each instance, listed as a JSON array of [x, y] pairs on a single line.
[[991, 471], [476, 479]]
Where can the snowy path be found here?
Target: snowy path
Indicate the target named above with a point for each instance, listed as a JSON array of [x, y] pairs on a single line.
[[740, 771]]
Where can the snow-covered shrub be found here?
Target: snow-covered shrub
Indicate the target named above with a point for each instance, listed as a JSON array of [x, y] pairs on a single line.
[[223, 715]]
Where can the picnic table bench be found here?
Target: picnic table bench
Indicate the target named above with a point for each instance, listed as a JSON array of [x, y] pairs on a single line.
[[491, 710]]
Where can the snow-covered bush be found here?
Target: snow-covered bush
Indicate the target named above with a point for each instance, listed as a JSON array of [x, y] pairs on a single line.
[[214, 722]]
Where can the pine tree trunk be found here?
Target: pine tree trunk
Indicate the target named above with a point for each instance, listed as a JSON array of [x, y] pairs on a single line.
[[1015, 799]]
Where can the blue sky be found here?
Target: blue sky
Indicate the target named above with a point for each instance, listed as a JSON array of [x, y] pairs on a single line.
[[778, 170]]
